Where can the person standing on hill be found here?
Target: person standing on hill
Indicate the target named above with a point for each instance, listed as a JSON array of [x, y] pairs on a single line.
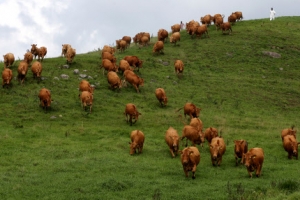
[[181, 25], [272, 14]]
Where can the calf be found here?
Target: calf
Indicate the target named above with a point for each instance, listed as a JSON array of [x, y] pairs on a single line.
[[190, 158], [108, 49], [175, 28], [210, 133], [172, 140], [109, 56], [197, 123], [114, 80], [8, 59], [193, 134], [191, 110], [137, 138], [217, 150], [133, 79], [253, 160], [162, 35], [36, 69], [71, 53], [108, 66], [179, 67], [240, 147], [64, 49], [161, 96], [22, 71], [202, 30], [45, 98], [6, 77], [175, 37], [86, 99], [158, 47], [121, 45], [131, 112], [28, 57], [290, 145], [226, 27], [124, 65]]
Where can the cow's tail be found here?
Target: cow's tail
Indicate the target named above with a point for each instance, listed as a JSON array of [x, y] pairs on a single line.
[[292, 127], [178, 109]]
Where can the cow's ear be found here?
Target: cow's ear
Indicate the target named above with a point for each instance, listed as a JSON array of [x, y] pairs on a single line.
[[298, 143], [242, 141], [129, 142], [191, 152], [210, 146], [290, 139]]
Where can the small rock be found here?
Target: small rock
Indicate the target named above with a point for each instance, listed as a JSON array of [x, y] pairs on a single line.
[[89, 77], [56, 78], [280, 68], [167, 76], [271, 54], [82, 75], [165, 63], [66, 66], [53, 117], [76, 71], [64, 76]]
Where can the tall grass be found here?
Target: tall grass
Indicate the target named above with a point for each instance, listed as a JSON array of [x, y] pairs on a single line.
[[67, 153]]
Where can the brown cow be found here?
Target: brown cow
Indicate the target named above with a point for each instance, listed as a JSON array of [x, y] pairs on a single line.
[[108, 49], [121, 45], [162, 35], [226, 27], [191, 27], [193, 134], [239, 15], [84, 85], [127, 39], [191, 110], [134, 61], [137, 138], [132, 112], [253, 160], [207, 19], [40, 52], [86, 99], [232, 18], [124, 65], [71, 53], [114, 80], [172, 140], [210, 133], [64, 49], [202, 30], [8, 59], [6, 77], [190, 158], [161, 96], [109, 56], [158, 47], [218, 22], [22, 71], [288, 131], [45, 98], [175, 37], [133, 79], [144, 40], [290, 145], [217, 150], [28, 57], [108, 66], [216, 16], [175, 28], [179, 67], [240, 147], [37, 69]]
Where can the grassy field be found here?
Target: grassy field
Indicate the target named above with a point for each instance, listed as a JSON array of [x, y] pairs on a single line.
[[67, 153]]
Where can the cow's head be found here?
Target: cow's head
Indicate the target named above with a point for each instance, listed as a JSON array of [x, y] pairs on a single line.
[[294, 146], [214, 150], [238, 144], [185, 155], [133, 147], [33, 48], [248, 159], [175, 142], [165, 100]]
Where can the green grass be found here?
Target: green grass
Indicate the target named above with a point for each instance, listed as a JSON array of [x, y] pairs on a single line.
[[67, 153]]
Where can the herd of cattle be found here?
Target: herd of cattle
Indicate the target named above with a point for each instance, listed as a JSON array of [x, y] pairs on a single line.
[[190, 156]]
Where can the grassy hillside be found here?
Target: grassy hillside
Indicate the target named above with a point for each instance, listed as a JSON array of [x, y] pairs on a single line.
[[67, 153]]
